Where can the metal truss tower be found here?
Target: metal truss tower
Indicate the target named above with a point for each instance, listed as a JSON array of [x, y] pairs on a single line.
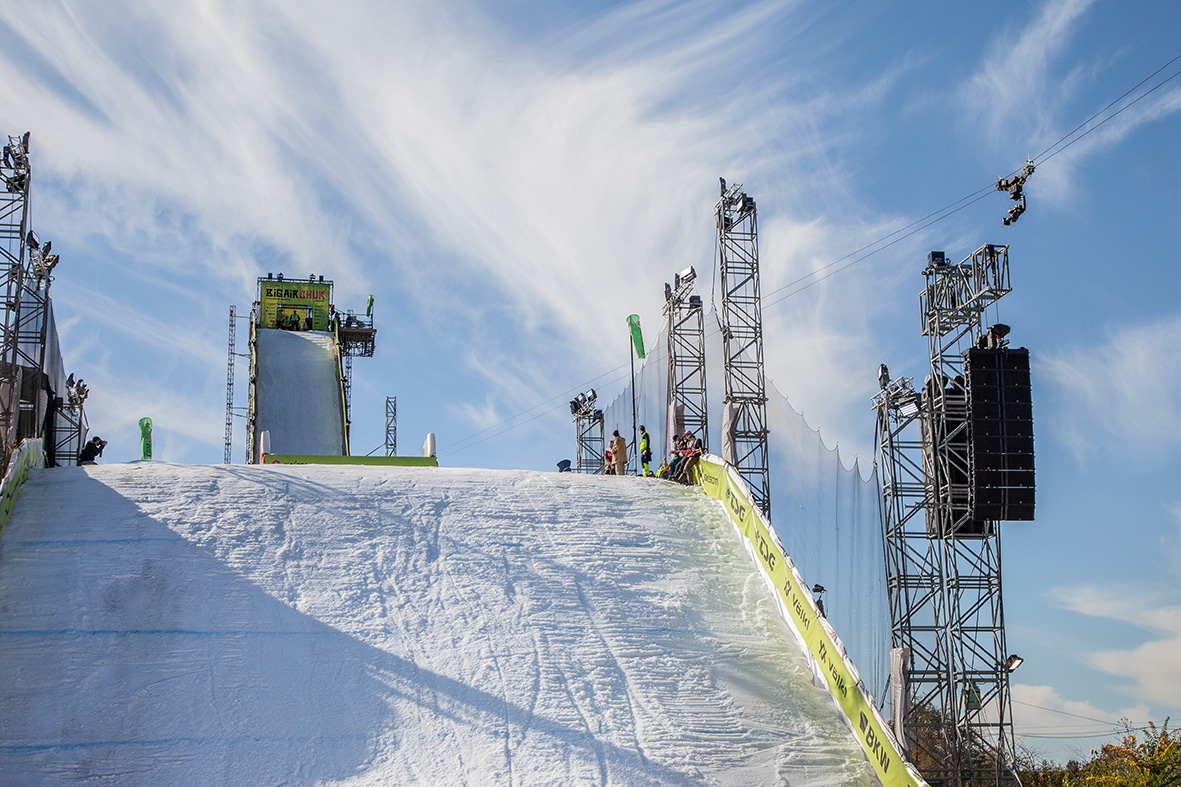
[[391, 426], [230, 388], [745, 421], [686, 359], [588, 432], [943, 564], [19, 309]]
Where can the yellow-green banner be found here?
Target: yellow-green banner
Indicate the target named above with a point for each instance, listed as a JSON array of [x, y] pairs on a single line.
[[29, 454], [294, 305], [821, 642]]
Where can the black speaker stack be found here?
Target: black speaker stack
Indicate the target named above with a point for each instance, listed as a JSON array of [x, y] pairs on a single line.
[[1001, 484]]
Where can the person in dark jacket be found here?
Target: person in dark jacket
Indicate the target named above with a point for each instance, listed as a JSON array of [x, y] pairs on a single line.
[[91, 451]]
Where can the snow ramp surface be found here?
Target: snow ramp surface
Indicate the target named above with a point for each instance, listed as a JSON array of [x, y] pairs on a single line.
[[298, 624], [298, 393]]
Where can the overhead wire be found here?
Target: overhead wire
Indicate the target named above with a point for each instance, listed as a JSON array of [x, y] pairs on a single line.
[[871, 248]]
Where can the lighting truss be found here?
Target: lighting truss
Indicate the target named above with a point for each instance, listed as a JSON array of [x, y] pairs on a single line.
[[229, 438], [588, 433], [391, 426], [943, 569], [742, 336], [686, 358], [26, 305]]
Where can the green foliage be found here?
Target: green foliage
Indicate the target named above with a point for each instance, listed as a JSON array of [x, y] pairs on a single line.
[[1154, 761], [1151, 758]]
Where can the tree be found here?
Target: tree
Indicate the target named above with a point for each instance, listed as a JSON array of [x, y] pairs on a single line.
[[1153, 762]]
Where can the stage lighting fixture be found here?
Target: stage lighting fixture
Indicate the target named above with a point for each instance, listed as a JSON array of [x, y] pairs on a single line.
[[1000, 330], [1013, 662], [883, 376], [908, 405], [668, 291], [31, 240], [818, 588], [695, 300]]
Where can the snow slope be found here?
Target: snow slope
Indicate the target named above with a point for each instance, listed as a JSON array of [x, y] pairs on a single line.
[[173, 624], [298, 394]]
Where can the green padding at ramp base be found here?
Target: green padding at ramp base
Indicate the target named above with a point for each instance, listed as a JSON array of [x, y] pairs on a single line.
[[720, 482], [393, 461]]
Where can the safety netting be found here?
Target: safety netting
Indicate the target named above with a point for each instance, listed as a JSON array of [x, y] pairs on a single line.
[[824, 511]]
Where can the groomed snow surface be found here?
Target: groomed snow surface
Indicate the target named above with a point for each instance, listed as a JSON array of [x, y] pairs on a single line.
[[298, 392], [244, 625]]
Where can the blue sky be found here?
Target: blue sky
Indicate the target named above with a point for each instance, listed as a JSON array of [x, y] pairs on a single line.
[[510, 180]]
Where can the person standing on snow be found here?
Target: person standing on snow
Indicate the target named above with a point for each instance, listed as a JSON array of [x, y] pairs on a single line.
[[619, 453], [645, 453]]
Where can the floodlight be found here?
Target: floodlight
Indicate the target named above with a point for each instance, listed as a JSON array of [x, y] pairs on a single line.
[[883, 376], [574, 407], [31, 240], [1000, 330], [688, 275], [668, 291], [818, 588], [909, 405], [590, 397], [695, 301], [1013, 662]]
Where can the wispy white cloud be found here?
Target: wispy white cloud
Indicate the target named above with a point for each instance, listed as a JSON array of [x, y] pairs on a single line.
[[1059, 728], [1118, 394], [1016, 89], [1149, 668]]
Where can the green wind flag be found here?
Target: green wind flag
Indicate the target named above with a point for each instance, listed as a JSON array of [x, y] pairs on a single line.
[[369, 307], [145, 438], [633, 322]]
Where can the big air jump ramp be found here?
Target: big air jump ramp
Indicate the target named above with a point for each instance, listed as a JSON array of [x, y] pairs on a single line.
[[298, 624], [298, 394]]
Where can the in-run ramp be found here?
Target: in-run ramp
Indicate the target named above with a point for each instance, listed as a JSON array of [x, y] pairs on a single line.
[[297, 395], [171, 624]]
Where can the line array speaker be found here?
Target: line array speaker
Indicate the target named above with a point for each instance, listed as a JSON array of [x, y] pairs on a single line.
[[1001, 416]]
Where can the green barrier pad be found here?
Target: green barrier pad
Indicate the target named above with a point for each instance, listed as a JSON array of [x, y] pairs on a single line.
[[720, 482], [392, 461]]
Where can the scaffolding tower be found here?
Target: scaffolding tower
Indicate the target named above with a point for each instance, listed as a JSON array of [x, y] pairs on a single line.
[[744, 425], [16, 360], [229, 441], [588, 433], [686, 360], [950, 664], [391, 426]]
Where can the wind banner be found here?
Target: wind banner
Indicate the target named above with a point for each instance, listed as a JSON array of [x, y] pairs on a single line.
[[809, 626], [633, 323]]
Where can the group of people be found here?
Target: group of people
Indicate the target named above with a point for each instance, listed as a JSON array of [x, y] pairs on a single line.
[[293, 322], [687, 450]]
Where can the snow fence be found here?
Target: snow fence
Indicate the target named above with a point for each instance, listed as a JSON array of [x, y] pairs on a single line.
[[818, 639]]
